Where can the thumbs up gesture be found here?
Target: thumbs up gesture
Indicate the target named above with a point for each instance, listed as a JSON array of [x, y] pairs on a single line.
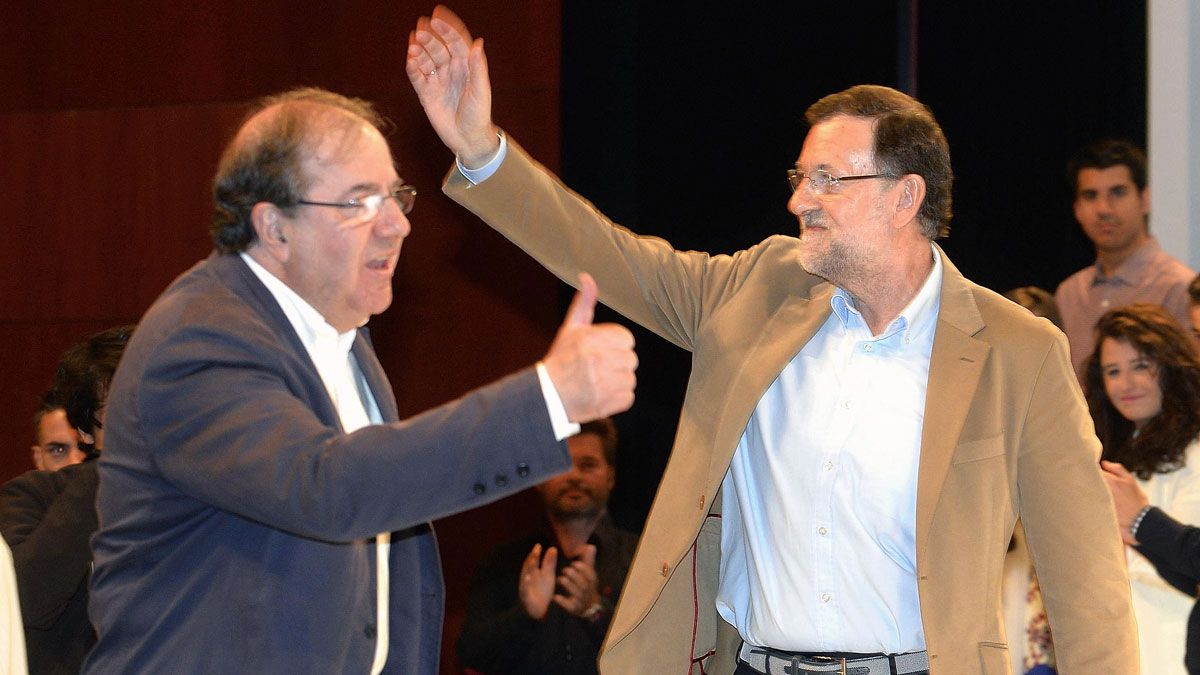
[[592, 365]]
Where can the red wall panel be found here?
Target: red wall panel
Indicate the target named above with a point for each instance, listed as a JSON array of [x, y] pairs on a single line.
[[112, 117]]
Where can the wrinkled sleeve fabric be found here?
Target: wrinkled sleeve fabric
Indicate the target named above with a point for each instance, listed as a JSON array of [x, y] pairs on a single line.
[[228, 417]]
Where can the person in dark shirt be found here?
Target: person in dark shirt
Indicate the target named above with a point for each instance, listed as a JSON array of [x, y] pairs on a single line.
[[1171, 546], [48, 517], [542, 604]]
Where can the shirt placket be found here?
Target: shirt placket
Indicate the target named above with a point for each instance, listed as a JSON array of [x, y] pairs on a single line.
[[841, 426]]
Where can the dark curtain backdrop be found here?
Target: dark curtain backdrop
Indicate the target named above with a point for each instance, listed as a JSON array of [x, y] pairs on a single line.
[[678, 119]]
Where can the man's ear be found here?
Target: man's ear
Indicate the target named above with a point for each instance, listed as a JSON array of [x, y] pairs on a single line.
[[270, 228], [909, 196]]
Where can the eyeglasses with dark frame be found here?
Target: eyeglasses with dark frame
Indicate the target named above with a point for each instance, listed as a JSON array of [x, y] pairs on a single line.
[[366, 208], [821, 182]]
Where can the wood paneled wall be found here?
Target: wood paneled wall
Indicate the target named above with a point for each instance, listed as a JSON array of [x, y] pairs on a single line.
[[112, 117]]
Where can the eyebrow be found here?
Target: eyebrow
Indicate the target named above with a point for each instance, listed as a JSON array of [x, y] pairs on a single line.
[[373, 188]]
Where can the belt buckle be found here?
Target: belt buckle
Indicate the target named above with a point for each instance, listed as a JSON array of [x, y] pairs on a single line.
[[841, 670]]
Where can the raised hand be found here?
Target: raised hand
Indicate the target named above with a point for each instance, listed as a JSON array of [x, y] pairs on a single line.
[[580, 586], [449, 72], [536, 586], [592, 366]]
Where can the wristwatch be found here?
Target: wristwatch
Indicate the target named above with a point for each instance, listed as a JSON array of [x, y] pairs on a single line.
[[594, 612]]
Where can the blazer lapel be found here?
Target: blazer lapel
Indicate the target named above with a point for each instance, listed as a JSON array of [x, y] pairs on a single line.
[[955, 368], [373, 373], [779, 340]]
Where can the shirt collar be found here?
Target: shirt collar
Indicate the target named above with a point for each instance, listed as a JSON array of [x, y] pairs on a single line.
[[1134, 267], [314, 331], [918, 314]]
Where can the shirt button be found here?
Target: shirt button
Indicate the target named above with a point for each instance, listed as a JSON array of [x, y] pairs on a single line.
[[825, 597], [868, 347], [522, 469], [822, 530], [828, 465], [479, 488], [847, 405]]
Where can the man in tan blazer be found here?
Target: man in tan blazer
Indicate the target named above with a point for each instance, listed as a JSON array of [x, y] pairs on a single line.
[[862, 426]]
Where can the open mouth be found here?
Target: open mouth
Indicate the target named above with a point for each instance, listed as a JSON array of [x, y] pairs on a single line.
[[380, 264]]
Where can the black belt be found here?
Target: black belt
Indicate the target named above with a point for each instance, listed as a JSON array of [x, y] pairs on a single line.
[[775, 662]]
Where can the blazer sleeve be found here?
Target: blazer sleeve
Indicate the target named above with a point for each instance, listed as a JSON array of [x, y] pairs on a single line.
[[227, 418], [1173, 548], [1065, 509], [644, 278]]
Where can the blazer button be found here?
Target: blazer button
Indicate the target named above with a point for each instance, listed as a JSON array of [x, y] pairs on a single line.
[[479, 488], [522, 469], [369, 631], [501, 480], [666, 569], [701, 501]]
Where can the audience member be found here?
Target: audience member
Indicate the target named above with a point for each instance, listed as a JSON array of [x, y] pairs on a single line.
[[57, 442], [263, 508], [1037, 300], [1112, 204], [860, 418], [541, 605], [48, 517], [1143, 387]]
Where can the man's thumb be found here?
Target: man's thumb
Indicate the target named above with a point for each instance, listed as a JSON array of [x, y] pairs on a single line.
[[583, 307]]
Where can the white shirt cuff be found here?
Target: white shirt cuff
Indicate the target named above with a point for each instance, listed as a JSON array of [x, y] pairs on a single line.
[[563, 427], [477, 176]]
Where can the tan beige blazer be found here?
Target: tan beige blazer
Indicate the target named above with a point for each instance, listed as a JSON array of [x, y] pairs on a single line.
[[1006, 434]]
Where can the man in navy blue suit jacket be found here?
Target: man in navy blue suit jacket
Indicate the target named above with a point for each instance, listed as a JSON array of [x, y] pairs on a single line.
[[261, 507]]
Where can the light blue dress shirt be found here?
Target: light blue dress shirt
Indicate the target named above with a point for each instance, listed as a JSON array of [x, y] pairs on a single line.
[[818, 534]]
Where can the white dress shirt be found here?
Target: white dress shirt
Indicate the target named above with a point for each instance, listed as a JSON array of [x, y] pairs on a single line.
[[818, 545]]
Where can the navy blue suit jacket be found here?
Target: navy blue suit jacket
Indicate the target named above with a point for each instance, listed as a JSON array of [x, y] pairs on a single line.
[[236, 516]]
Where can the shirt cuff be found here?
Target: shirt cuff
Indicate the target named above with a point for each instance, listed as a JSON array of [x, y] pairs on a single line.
[[563, 427], [477, 176]]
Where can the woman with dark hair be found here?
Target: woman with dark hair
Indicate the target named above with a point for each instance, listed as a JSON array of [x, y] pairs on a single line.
[[1143, 389]]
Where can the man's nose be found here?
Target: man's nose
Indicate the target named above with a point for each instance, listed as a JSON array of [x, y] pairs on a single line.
[[392, 222], [802, 200]]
